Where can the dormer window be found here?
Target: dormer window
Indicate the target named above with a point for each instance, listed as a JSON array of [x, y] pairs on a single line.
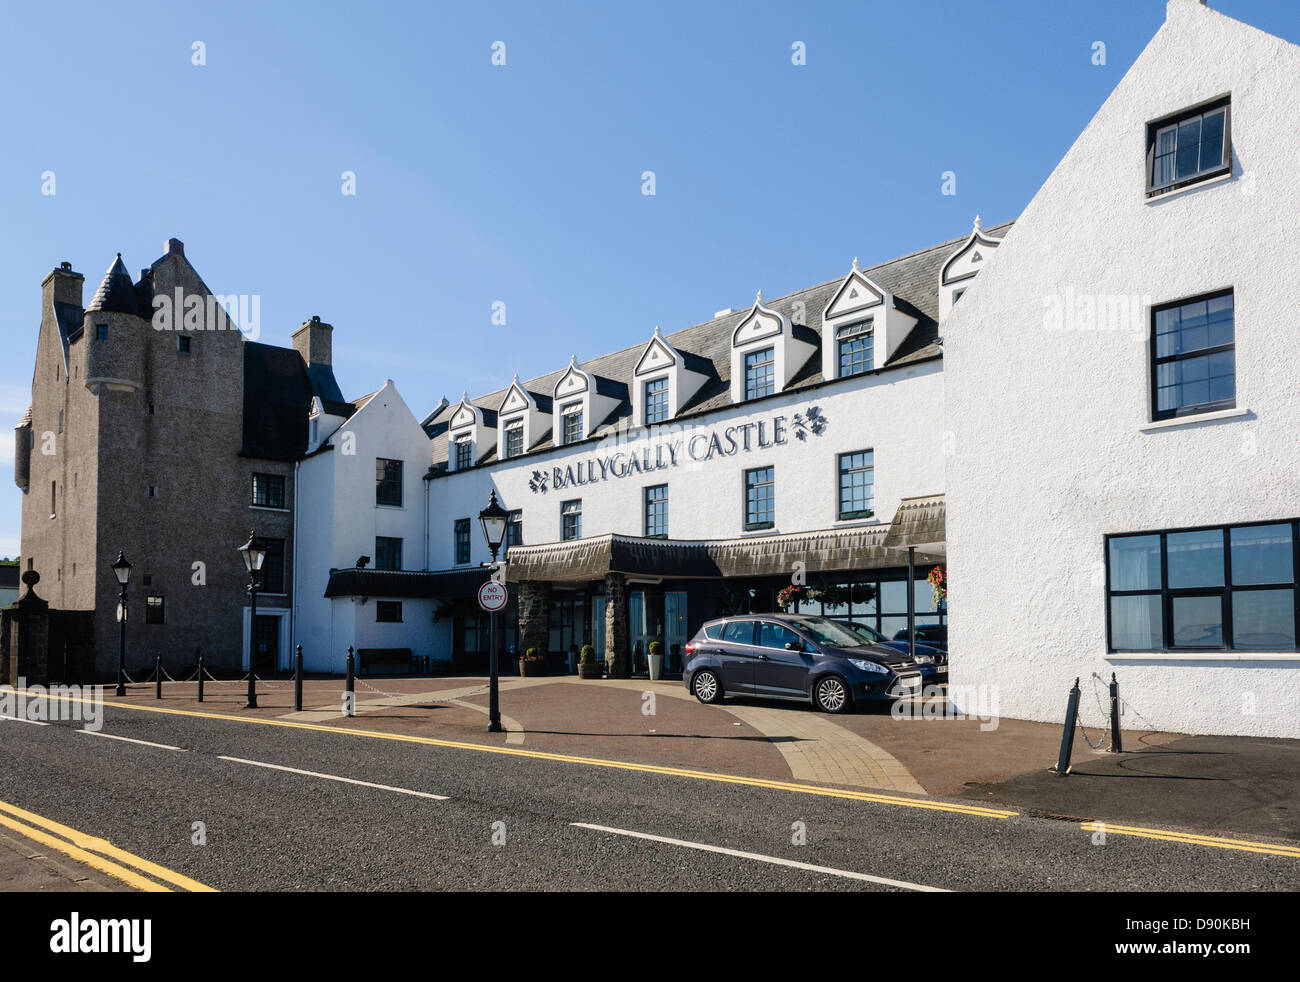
[[855, 344], [760, 373], [961, 268], [464, 453], [656, 400], [514, 438], [571, 423], [1190, 146]]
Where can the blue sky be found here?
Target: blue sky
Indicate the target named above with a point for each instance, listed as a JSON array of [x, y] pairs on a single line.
[[522, 183]]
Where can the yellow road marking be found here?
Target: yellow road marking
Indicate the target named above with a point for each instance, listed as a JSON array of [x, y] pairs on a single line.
[[1188, 838], [883, 799], [82, 847]]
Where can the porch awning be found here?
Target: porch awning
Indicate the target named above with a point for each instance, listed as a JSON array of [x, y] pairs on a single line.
[[405, 584], [920, 523]]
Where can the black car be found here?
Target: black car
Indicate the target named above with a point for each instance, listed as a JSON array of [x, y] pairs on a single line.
[[930, 660], [784, 656], [935, 635]]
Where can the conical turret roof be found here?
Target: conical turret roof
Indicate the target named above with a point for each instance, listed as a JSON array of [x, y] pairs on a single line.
[[116, 294]]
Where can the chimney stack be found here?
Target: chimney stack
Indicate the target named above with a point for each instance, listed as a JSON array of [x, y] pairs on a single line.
[[313, 342], [62, 285]]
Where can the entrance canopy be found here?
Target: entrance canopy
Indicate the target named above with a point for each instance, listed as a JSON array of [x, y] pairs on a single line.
[[919, 523]]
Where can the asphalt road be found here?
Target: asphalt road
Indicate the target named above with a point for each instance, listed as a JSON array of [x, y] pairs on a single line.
[[269, 829]]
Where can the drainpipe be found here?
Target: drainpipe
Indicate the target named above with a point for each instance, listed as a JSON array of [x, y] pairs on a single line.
[[425, 565], [911, 601], [293, 575]]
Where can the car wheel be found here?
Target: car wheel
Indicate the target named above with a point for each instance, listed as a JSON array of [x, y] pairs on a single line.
[[831, 695], [706, 687]]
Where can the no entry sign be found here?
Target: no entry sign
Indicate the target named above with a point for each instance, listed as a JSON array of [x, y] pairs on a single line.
[[492, 596]]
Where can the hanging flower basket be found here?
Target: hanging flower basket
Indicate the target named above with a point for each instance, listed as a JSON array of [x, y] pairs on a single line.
[[938, 580]]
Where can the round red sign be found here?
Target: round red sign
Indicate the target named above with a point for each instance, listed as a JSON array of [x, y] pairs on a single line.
[[492, 596]]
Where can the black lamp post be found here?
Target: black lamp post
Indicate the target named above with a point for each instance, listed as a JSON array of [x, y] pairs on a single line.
[[254, 553], [493, 518], [122, 570]]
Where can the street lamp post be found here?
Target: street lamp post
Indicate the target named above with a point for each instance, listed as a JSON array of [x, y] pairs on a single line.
[[493, 518], [254, 553], [122, 570]]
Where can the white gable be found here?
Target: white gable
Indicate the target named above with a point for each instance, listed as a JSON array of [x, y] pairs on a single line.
[[855, 294]]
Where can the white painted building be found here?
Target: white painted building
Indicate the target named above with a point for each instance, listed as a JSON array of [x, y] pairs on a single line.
[[1123, 397]]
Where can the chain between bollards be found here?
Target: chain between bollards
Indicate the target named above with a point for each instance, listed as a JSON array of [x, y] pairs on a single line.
[[297, 679], [350, 698]]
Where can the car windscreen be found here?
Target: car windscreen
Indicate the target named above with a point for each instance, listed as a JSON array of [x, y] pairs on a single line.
[[868, 634], [827, 632]]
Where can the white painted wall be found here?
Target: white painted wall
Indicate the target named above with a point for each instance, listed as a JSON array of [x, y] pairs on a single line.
[[1050, 443]]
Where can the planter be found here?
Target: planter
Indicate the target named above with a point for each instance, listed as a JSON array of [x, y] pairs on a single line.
[[656, 667], [532, 668], [590, 671]]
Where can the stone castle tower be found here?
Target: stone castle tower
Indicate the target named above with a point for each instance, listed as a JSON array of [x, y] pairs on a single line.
[[151, 413]]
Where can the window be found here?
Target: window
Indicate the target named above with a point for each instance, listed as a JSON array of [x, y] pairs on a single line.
[[268, 490], [571, 417], [101, 332], [760, 373], [656, 401], [856, 344], [153, 491], [514, 530], [461, 530], [148, 580], [273, 567], [571, 520], [515, 439], [760, 498], [388, 552], [60, 420], [775, 636], [1230, 588], [155, 610], [388, 611], [738, 632], [388, 482], [464, 453], [857, 484], [1193, 358], [183, 345], [1188, 147], [656, 512], [956, 295]]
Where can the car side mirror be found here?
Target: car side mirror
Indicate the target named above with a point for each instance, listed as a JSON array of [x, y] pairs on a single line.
[[794, 646]]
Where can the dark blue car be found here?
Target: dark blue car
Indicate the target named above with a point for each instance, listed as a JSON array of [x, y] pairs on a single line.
[[784, 656], [931, 660]]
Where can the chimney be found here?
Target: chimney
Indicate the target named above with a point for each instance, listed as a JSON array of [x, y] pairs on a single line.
[[62, 285], [174, 247], [312, 341]]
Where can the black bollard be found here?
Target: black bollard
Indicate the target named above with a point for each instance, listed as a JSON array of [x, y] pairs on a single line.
[[351, 690], [1116, 739], [200, 678], [1062, 767], [157, 678], [297, 680]]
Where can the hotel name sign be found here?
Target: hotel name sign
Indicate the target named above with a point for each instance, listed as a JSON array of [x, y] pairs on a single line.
[[699, 447]]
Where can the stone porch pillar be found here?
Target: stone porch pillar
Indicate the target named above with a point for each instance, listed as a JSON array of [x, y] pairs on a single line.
[[617, 655], [534, 616], [30, 658]]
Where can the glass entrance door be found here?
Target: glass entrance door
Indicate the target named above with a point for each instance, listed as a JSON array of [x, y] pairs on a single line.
[[674, 630]]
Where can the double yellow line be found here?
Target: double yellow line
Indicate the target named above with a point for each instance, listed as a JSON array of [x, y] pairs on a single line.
[[1191, 839], [97, 853]]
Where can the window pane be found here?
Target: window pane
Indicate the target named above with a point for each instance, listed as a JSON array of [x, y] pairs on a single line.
[[775, 636], [1262, 554], [1212, 140], [1197, 622], [1135, 563], [893, 597], [1135, 623], [864, 599], [1195, 558], [1189, 147], [739, 632], [1263, 620]]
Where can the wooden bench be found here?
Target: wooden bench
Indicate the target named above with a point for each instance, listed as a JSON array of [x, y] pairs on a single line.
[[402, 657]]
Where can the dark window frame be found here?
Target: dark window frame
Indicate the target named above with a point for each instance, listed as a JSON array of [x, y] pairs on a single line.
[[863, 335], [575, 515], [1157, 360], [1224, 166], [155, 613], [514, 530], [462, 541], [183, 345], [101, 332], [751, 524], [658, 399], [751, 365], [389, 607], [842, 473], [388, 488], [387, 561], [513, 429], [464, 449], [267, 496], [572, 411], [1168, 594], [653, 509]]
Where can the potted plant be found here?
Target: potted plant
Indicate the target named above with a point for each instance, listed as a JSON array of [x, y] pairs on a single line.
[[532, 664], [656, 660], [588, 667], [573, 659]]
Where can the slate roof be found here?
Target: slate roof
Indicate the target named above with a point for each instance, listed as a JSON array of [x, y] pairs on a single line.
[[278, 389], [407, 584], [116, 294], [913, 279]]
